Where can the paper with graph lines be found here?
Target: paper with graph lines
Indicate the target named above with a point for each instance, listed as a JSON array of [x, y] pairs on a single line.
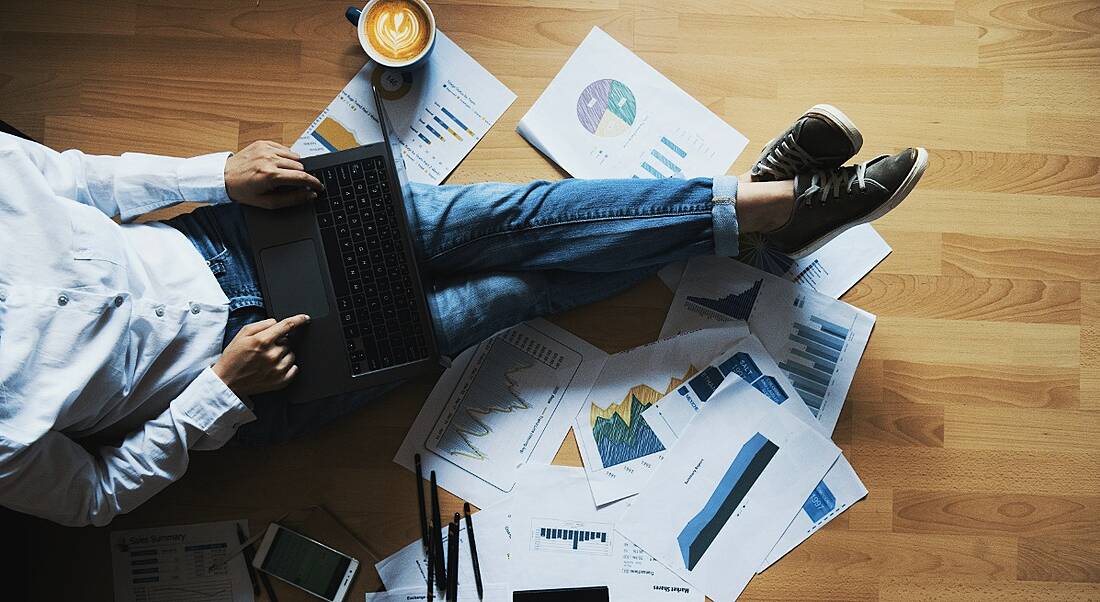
[[502, 404], [617, 445]]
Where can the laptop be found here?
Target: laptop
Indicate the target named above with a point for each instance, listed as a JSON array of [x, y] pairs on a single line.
[[347, 260]]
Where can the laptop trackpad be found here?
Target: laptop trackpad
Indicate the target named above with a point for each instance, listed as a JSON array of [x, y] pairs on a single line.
[[294, 284]]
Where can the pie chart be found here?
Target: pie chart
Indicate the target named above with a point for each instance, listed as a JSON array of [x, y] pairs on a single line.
[[606, 108]]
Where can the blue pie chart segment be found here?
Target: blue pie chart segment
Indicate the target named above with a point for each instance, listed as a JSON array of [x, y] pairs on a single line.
[[607, 108]]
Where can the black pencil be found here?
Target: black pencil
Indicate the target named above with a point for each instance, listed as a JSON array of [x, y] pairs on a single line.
[[431, 569], [437, 535], [452, 561], [473, 549], [420, 503]]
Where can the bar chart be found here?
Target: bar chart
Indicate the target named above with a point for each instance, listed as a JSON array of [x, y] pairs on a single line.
[[815, 349], [575, 537]]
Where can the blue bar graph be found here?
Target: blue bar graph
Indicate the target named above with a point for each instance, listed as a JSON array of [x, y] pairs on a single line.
[[456, 120], [663, 160], [552, 535], [672, 146], [652, 170], [814, 352]]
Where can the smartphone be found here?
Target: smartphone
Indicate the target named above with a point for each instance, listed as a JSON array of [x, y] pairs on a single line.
[[305, 563]]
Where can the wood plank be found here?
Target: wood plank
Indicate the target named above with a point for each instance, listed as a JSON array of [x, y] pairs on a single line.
[[1062, 90], [1090, 346], [1075, 15], [890, 86], [1022, 429], [175, 137], [1047, 258], [875, 512], [70, 16], [896, 424], [1061, 559], [1038, 49], [962, 342], [965, 298], [914, 252], [1033, 173], [1068, 134], [981, 386], [995, 471], [967, 513], [904, 589], [254, 131], [924, 12]]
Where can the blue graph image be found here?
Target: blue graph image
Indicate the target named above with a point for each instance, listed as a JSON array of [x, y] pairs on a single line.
[[814, 352], [704, 384], [663, 160], [734, 306], [820, 503], [554, 535], [703, 528]]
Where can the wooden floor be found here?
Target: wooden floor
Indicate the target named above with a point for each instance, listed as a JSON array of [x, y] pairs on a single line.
[[975, 416]]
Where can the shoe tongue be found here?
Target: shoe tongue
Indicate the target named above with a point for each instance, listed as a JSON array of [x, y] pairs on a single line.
[[821, 139]]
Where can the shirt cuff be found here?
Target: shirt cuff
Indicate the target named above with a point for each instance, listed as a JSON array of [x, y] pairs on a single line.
[[202, 178], [210, 406]]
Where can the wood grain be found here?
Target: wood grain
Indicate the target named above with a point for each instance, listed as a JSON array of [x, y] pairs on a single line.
[[974, 417]]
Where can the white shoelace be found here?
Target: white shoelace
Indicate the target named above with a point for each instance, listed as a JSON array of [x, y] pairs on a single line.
[[830, 183], [785, 159]]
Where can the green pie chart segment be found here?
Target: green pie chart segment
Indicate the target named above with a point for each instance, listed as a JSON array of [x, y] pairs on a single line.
[[606, 108]]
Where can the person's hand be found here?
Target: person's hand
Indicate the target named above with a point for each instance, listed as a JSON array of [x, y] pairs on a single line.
[[258, 359], [268, 175]]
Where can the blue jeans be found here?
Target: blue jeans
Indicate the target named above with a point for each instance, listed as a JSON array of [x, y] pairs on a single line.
[[496, 255]]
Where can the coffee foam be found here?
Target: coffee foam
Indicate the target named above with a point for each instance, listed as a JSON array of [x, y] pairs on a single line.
[[397, 29]]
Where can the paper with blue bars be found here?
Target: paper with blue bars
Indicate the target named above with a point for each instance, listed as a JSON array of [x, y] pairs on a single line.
[[817, 341], [725, 494]]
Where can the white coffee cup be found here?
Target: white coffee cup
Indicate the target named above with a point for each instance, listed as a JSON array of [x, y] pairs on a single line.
[[356, 16]]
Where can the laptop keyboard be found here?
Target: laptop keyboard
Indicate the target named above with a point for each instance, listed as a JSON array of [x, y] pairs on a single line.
[[371, 275]]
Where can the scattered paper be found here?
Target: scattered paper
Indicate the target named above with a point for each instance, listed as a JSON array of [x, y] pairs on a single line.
[[831, 270], [726, 492], [562, 540], [494, 592], [607, 114], [439, 112], [171, 564], [618, 447], [817, 341], [502, 404]]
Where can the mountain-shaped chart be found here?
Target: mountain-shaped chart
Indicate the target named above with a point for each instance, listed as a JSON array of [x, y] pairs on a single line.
[[471, 422], [734, 306], [620, 433]]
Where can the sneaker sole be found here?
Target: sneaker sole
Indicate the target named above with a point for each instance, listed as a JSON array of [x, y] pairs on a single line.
[[834, 116], [895, 199]]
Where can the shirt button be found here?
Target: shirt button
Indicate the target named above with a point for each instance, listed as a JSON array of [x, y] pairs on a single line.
[[119, 301], [62, 300], [159, 311], [195, 309]]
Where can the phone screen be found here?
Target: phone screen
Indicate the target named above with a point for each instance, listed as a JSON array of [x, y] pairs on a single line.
[[304, 563]]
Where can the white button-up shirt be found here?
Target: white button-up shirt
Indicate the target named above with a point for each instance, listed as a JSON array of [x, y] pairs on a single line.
[[106, 330]]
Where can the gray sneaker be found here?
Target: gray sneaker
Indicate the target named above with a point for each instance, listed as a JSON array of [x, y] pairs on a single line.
[[829, 202], [822, 138]]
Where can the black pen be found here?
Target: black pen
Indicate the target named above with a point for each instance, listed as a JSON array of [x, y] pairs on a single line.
[[248, 556], [437, 534], [431, 569], [452, 560], [420, 502], [473, 549]]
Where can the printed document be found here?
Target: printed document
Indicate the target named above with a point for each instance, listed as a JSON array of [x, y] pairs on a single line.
[[467, 592], [617, 445], [816, 340], [169, 564], [439, 112], [726, 492], [561, 540], [607, 114], [502, 404], [831, 270]]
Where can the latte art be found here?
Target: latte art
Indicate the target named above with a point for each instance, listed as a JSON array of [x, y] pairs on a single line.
[[397, 29]]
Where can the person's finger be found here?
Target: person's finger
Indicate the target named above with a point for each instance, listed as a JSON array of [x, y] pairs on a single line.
[[290, 374], [285, 363], [284, 152], [294, 177], [289, 198], [284, 163], [255, 327], [282, 328]]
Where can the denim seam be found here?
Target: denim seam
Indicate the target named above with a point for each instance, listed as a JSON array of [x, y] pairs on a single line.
[[690, 210]]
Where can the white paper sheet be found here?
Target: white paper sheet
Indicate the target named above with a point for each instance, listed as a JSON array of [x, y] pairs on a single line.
[[726, 492], [749, 362], [607, 114], [816, 340], [171, 564], [562, 540], [831, 270], [617, 446], [494, 592], [505, 403], [439, 112], [407, 568]]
